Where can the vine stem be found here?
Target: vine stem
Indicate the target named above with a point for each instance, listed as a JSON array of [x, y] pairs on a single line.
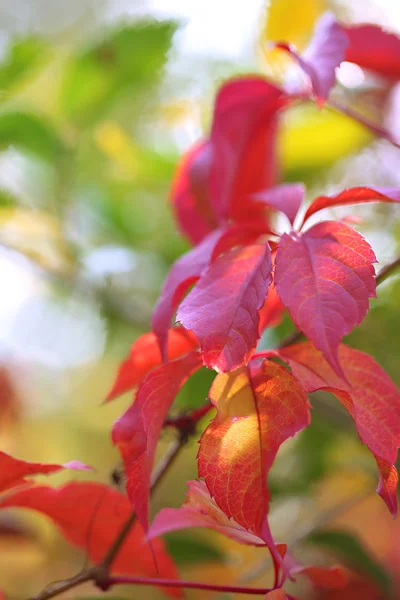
[[194, 585]]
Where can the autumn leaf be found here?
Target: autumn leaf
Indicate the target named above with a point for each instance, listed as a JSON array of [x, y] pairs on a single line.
[[276, 595], [272, 311], [222, 309], [190, 193], [287, 198], [137, 431], [259, 407], [324, 53], [200, 510], [243, 141], [89, 516], [356, 195], [370, 397], [13, 471], [374, 49], [187, 270], [145, 356], [325, 277]]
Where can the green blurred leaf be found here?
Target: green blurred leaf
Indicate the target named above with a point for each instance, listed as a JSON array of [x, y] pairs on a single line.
[[22, 57], [191, 550], [195, 391], [349, 549], [131, 57], [30, 132]]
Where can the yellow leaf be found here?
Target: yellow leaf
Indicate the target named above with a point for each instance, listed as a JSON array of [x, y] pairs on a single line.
[[313, 139]]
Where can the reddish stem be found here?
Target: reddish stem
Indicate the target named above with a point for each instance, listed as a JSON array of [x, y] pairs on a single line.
[[110, 581]]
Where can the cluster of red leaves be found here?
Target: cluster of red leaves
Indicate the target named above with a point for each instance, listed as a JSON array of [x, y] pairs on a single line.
[[244, 276]]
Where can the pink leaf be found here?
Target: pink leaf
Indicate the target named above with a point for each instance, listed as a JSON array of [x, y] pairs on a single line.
[[372, 48], [145, 356], [371, 398], [190, 193], [136, 433], [325, 277], [243, 138], [200, 510], [90, 515], [286, 198], [222, 309], [356, 195], [187, 269], [14, 471], [324, 53]]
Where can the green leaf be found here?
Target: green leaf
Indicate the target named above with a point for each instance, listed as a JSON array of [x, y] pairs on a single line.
[[22, 57], [130, 57], [30, 132], [349, 549], [191, 550]]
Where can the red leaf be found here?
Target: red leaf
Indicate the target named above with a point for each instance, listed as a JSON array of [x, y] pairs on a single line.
[[276, 595], [187, 269], [14, 471], [90, 515], [357, 195], [243, 139], [272, 311], [333, 578], [145, 356], [324, 53], [222, 309], [190, 193], [371, 398], [259, 407], [136, 433], [374, 49], [200, 510], [286, 198], [325, 277]]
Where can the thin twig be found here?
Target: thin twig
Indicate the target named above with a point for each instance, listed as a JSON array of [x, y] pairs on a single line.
[[194, 585]]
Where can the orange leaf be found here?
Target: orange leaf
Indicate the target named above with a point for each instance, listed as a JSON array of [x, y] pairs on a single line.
[[259, 407]]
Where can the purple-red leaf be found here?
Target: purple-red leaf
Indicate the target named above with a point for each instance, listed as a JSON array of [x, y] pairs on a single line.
[[243, 140], [287, 198], [325, 277], [222, 309], [90, 515], [137, 431], [13, 471], [200, 510], [190, 193], [324, 53], [356, 195], [374, 49], [371, 398], [145, 356]]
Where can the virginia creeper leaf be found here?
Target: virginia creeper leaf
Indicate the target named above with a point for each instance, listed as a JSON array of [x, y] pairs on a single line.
[[89, 516], [271, 312], [222, 309], [243, 139], [374, 49], [13, 471], [200, 510], [321, 57], [356, 195], [371, 398], [325, 277], [190, 193], [259, 407], [188, 268], [145, 356], [286, 198], [137, 431], [276, 595]]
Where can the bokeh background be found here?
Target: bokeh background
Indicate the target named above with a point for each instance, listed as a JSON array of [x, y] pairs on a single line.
[[98, 99]]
